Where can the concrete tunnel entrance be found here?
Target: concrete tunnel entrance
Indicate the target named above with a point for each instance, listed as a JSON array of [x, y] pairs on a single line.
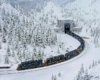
[[67, 27]]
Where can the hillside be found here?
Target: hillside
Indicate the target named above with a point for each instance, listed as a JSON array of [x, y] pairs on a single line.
[[33, 3], [87, 13], [49, 14], [30, 37]]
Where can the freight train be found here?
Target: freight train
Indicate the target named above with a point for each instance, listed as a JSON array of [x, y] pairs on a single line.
[[55, 59]]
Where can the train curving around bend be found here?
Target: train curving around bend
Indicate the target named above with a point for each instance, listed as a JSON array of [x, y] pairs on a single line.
[[54, 59]]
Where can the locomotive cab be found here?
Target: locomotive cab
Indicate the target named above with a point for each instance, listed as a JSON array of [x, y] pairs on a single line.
[[19, 67]]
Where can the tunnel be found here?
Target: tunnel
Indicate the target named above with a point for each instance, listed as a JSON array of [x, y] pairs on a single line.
[[67, 27]]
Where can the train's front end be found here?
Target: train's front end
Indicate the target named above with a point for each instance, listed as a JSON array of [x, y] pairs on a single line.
[[19, 67]]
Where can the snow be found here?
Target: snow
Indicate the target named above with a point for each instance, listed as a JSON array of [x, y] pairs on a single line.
[[68, 18], [8, 8], [49, 51], [65, 69], [4, 65], [87, 14]]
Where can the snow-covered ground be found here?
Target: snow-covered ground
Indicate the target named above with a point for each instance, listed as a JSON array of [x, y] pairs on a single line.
[[12, 21], [68, 70], [25, 27], [87, 16]]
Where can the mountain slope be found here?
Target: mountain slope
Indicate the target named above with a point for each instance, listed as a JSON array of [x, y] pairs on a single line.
[[34, 3]]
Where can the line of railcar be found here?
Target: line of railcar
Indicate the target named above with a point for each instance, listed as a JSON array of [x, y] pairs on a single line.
[[55, 59], [5, 66]]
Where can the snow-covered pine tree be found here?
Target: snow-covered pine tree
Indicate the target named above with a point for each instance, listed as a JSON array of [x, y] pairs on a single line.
[[42, 52], [93, 64], [98, 61], [39, 53], [32, 42], [36, 39], [59, 74], [49, 41], [24, 45], [82, 69], [3, 11], [3, 39], [0, 28], [55, 78], [24, 53], [32, 56], [43, 45], [62, 45], [3, 18], [8, 51], [52, 78], [20, 57], [86, 76], [34, 49], [13, 53], [0, 45], [35, 55], [6, 60], [23, 20], [90, 66], [78, 76], [58, 51], [26, 23], [18, 52], [1, 2]]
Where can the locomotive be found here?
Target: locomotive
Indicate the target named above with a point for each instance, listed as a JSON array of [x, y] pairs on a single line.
[[56, 59]]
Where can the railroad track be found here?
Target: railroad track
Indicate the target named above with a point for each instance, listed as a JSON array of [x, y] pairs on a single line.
[[8, 72]]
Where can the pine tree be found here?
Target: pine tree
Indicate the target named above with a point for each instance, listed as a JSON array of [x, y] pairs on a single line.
[[24, 44], [24, 53], [59, 74], [35, 55], [1, 2], [93, 64], [26, 23], [13, 54], [58, 51], [90, 67], [4, 39], [43, 45], [6, 60], [55, 78], [0, 45], [20, 57], [32, 42], [34, 49], [39, 54], [3, 18], [23, 20], [8, 51], [32, 56], [52, 77], [18, 53], [98, 61], [3, 11], [86, 76], [62, 45], [0, 28], [42, 52], [49, 40], [82, 69]]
